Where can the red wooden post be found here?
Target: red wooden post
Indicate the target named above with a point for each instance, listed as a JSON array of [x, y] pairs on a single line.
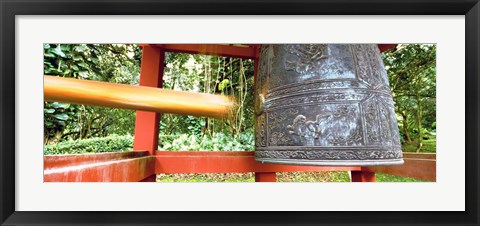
[[152, 178], [363, 176], [147, 123], [265, 177]]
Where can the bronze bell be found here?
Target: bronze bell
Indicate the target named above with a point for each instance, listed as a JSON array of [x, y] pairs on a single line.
[[324, 104]]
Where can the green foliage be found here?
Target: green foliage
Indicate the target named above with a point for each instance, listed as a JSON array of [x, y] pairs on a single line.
[[217, 142], [57, 116], [183, 142], [429, 146], [120, 63], [214, 75], [112, 143], [67, 60], [412, 74], [116, 63]]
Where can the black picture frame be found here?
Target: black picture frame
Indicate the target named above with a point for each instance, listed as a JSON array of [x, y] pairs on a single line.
[[9, 9]]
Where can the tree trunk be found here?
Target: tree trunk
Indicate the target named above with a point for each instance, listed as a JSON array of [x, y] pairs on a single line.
[[56, 138], [419, 120], [405, 127]]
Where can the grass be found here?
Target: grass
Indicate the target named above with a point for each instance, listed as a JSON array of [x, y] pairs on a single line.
[[207, 177], [339, 176], [392, 178], [429, 146]]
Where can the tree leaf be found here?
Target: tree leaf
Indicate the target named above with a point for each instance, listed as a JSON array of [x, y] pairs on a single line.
[[48, 111], [51, 55], [84, 65], [62, 116], [223, 84], [80, 48], [58, 51], [65, 47], [83, 74], [60, 105]]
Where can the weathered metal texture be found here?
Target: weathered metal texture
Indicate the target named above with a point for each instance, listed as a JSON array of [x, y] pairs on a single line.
[[101, 167], [260, 176], [325, 104], [227, 162]]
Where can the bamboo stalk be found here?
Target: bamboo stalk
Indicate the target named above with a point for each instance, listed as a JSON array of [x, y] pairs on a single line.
[[135, 97]]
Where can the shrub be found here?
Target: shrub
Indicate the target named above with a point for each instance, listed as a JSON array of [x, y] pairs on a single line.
[[112, 143], [217, 142], [181, 142]]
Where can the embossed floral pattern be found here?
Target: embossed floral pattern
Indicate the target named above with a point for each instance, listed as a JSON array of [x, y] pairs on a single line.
[[308, 56]]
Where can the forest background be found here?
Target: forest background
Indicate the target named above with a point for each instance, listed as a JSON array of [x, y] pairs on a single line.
[[71, 128]]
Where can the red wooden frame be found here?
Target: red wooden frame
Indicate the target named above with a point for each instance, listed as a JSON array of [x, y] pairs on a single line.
[[140, 166], [145, 162]]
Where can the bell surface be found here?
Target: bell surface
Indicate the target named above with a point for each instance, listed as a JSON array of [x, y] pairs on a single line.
[[324, 104]]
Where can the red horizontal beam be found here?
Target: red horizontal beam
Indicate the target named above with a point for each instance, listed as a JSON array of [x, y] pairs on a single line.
[[58, 161], [412, 155], [423, 169], [225, 162], [108, 167], [245, 52], [237, 51]]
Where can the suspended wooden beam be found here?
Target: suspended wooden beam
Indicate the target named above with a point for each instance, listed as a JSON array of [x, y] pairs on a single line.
[[135, 97], [236, 51]]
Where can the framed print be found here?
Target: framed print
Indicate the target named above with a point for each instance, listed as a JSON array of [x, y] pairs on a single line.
[[33, 191]]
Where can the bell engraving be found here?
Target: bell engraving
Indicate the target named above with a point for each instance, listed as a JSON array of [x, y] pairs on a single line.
[[325, 104]]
